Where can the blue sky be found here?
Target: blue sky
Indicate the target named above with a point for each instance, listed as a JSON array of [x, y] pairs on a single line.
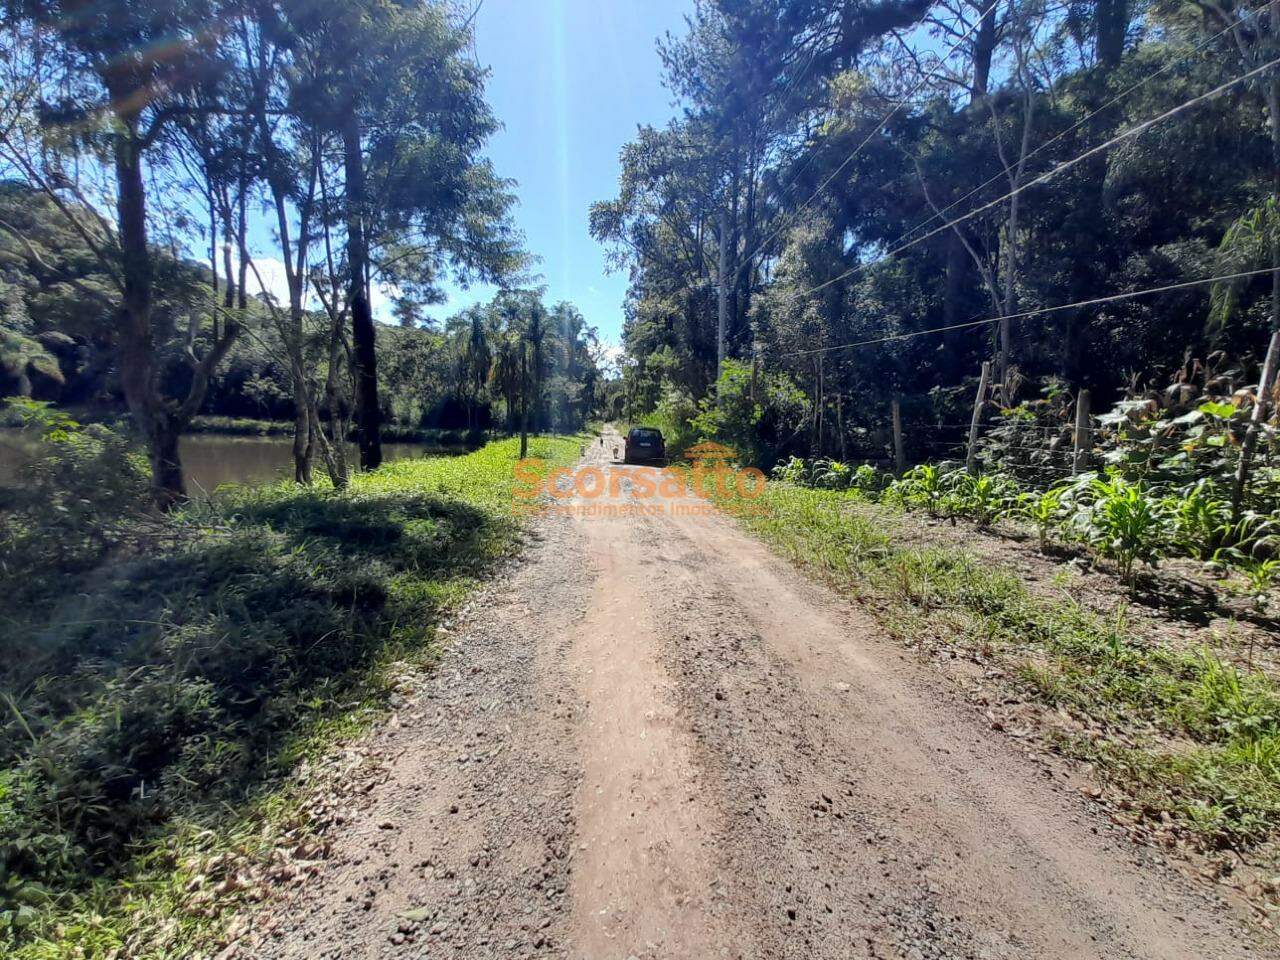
[[570, 82]]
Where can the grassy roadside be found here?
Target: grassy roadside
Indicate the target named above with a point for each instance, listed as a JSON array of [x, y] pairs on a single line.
[[168, 713], [1188, 741]]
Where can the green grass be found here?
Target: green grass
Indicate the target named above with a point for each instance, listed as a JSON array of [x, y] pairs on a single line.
[[1220, 783], [157, 708]]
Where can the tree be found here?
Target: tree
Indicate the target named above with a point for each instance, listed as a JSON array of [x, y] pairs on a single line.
[[407, 106], [126, 63]]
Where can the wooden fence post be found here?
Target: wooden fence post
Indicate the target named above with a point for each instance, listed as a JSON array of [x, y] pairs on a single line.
[[971, 459], [1084, 434], [899, 458]]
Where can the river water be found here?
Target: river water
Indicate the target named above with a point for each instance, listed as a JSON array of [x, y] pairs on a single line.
[[214, 459]]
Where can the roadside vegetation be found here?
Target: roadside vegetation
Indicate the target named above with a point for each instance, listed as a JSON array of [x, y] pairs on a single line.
[[1161, 488], [1185, 738], [166, 675], [1131, 605]]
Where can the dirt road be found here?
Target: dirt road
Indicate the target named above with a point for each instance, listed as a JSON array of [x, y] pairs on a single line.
[[659, 741]]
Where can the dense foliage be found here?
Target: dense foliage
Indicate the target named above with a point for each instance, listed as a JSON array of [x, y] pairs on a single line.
[[900, 177]]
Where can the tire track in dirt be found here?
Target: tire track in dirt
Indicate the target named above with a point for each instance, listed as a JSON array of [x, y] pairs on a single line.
[[644, 872]]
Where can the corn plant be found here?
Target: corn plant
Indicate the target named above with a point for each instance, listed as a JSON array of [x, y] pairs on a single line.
[[1262, 576], [921, 486], [866, 478], [1046, 510], [1200, 520], [831, 474], [986, 498], [794, 471], [1124, 523]]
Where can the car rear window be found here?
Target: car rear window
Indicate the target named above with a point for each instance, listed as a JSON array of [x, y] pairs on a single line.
[[652, 436]]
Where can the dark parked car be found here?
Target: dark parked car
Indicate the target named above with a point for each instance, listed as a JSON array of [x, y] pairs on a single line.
[[644, 445]]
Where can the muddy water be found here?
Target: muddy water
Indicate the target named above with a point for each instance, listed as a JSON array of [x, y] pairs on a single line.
[[211, 460]]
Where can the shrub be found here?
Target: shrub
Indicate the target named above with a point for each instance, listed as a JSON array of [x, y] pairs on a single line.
[[80, 497], [673, 416], [760, 428]]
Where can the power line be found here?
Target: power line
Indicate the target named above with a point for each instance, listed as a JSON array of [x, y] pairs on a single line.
[[1080, 123], [1044, 146], [1032, 313], [1049, 175], [869, 137]]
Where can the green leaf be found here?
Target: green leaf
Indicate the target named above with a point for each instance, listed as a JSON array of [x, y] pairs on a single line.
[[1223, 411]]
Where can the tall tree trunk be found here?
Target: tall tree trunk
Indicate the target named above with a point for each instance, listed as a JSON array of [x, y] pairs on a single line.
[[957, 281], [137, 346], [958, 265], [228, 248], [334, 447], [524, 402], [363, 332], [1111, 24], [1110, 29], [1017, 177], [1010, 304], [303, 445], [722, 281], [984, 47]]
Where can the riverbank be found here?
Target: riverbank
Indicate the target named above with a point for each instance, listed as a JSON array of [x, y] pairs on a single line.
[[166, 705], [243, 427]]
